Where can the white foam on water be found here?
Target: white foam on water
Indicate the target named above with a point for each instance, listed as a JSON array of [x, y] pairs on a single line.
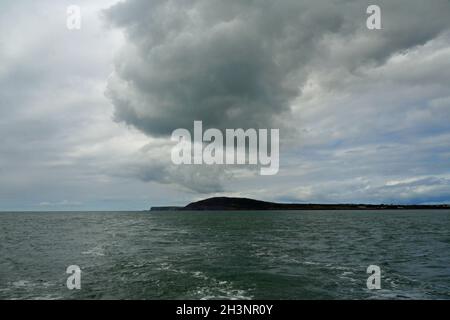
[[96, 251], [218, 289]]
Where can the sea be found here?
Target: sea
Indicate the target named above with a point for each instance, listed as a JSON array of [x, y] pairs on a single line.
[[225, 255]]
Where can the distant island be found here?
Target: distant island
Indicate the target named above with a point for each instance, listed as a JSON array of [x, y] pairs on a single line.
[[234, 204]]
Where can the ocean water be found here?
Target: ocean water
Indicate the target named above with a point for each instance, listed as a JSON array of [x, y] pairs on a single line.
[[226, 255]]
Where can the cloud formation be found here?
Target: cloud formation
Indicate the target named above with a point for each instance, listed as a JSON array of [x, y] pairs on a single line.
[[242, 63], [363, 114]]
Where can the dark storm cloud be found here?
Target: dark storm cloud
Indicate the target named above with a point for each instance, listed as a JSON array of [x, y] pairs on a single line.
[[241, 63]]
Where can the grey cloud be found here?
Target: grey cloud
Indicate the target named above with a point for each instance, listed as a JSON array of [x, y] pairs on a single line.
[[248, 64], [241, 63], [196, 179], [151, 163]]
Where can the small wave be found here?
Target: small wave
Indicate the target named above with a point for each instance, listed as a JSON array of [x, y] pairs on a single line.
[[48, 297], [96, 251], [165, 266], [311, 263], [22, 284]]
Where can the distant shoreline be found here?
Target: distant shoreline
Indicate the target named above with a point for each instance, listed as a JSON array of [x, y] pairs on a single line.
[[239, 204]]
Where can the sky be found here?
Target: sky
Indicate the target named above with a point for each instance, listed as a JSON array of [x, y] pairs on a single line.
[[86, 115]]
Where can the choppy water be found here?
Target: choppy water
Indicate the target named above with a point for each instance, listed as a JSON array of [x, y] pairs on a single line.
[[231, 255]]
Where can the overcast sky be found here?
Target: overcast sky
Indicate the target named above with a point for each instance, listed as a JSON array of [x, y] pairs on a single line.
[[86, 115]]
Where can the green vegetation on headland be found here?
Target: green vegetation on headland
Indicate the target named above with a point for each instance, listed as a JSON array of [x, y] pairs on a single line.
[[225, 203]]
